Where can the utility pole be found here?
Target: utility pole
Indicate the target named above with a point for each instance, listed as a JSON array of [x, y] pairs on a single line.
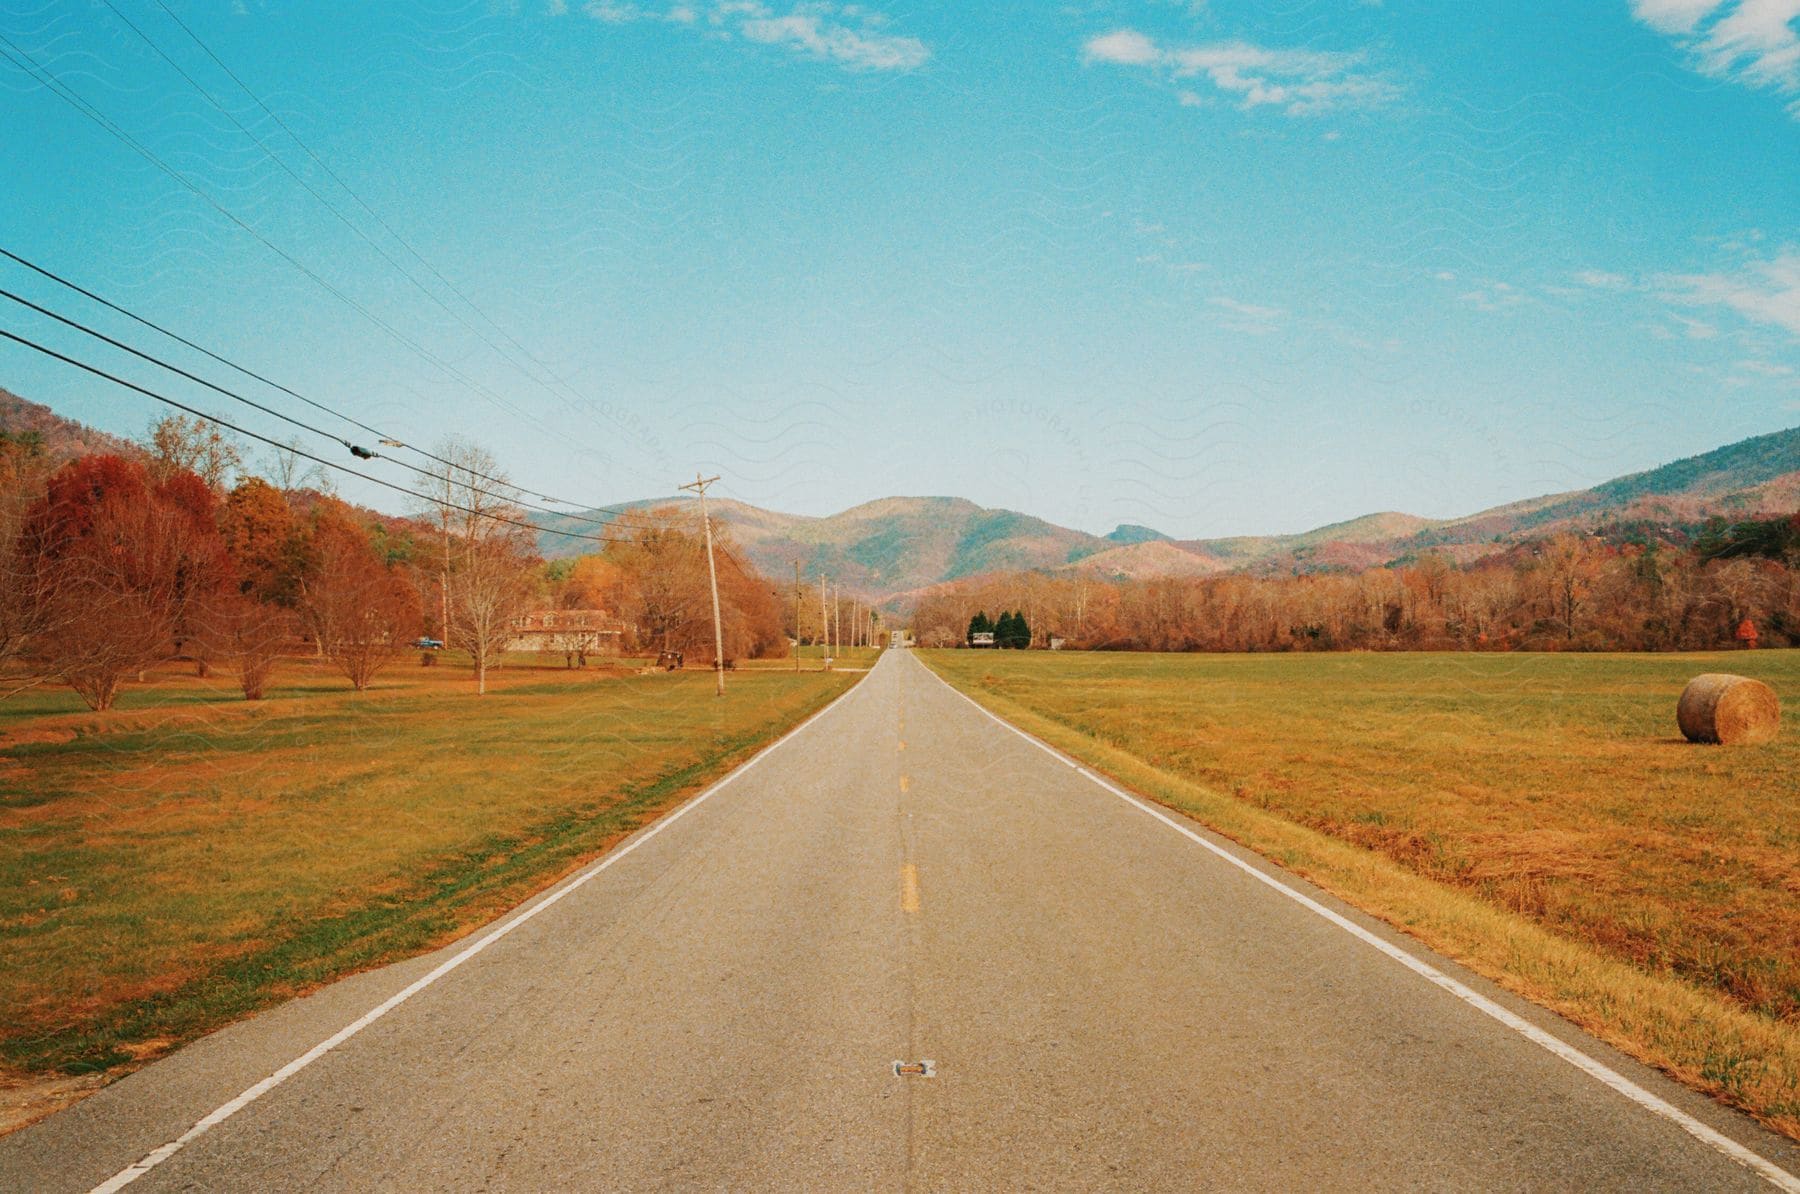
[[712, 573], [837, 617], [824, 628], [796, 615]]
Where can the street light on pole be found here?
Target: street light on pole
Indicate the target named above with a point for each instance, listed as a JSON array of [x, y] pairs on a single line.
[[712, 572]]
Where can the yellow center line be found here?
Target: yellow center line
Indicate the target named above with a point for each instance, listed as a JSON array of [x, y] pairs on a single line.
[[909, 888], [905, 783]]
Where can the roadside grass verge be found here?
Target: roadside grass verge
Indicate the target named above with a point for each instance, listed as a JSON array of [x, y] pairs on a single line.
[[1537, 818], [185, 859]]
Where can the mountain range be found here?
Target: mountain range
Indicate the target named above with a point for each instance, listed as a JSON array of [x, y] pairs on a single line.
[[897, 547]]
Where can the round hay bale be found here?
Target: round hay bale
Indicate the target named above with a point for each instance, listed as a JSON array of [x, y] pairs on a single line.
[[1723, 708]]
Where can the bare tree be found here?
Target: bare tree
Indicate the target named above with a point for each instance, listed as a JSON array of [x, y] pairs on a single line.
[[485, 567], [185, 443], [490, 588], [250, 635], [291, 472]]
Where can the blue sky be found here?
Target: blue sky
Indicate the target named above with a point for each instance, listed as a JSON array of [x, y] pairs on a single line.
[[1215, 267]]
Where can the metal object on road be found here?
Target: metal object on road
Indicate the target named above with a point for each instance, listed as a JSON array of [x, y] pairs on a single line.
[[915, 1069]]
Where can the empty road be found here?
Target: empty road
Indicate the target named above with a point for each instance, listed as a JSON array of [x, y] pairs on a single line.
[[1107, 1002]]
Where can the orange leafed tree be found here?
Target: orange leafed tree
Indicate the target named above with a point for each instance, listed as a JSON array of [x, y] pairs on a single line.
[[128, 563], [266, 541], [362, 610], [666, 593]]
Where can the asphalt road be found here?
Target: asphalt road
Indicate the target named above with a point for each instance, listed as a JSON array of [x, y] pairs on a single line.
[[1107, 1003]]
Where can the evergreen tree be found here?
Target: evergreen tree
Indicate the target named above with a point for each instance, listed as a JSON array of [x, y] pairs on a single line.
[[979, 624], [1021, 631]]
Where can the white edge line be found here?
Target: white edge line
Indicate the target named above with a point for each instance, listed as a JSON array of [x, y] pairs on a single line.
[[1780, 1178], [219, 1115]]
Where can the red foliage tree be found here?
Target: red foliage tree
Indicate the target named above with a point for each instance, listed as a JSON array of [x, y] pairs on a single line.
[[362, 610], [266, 542], [127, 564]]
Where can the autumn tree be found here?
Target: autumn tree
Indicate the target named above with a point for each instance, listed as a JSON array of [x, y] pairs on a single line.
[[266, 541], [189, 444], [250, 636], [361, 609], [661, 578], [129, 564], [665, 579], [1568, 563], [593, 582], [25, 580]]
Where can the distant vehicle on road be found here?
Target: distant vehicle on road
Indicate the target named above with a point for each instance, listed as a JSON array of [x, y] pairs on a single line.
[[429, 644]]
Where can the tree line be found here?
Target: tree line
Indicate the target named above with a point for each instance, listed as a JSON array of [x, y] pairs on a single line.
[[110, 564], [1616, 588], [1011, 631]]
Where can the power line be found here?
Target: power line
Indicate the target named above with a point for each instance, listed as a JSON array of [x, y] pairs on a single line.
[[25, 62], [383, 436], [333, 175], [331, 464], [556, 386], [508, 494], [291, 173]]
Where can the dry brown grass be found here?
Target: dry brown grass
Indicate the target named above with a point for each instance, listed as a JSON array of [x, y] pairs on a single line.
[[1536, 817], [190, 856]]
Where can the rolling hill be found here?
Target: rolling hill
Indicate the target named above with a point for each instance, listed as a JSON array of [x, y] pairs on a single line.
[[57, 438], [894, 548], [897, 547]]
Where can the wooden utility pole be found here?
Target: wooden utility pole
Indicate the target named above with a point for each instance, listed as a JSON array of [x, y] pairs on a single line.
[[699, 486], [824, 627], [796, 615]]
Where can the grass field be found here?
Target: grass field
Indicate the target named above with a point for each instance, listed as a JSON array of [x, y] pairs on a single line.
[[1536, 816], [189, 856]]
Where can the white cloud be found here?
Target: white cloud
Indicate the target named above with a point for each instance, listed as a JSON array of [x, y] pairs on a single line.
[[1765, 368], [1298, 82], [1750, 42], [1597, 279], [1492, 296], [846, 34], [1126, 47], [1672, 16], [822, 37], [1765, 291], [1250, 310]]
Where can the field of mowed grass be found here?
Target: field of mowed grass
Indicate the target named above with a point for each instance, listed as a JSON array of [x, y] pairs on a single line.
[[189, 856], [1536, 816], [812, 659]]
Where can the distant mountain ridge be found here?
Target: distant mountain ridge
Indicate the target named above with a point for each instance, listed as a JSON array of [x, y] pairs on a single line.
[[897, 547], [59, 438], [893, 548]]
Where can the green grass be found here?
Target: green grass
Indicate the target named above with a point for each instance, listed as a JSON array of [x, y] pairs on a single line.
[[1537, 816], [187, 858]]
